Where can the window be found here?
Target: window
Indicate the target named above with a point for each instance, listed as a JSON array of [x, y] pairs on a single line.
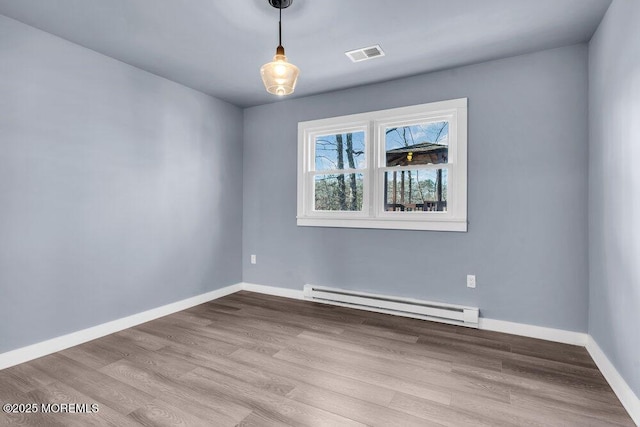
[[403, 168]]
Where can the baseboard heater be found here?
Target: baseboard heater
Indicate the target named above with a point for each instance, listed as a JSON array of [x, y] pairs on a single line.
[[407, 307]]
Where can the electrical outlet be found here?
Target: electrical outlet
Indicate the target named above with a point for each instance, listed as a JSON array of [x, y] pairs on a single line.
[[471, 281], [253, 259]]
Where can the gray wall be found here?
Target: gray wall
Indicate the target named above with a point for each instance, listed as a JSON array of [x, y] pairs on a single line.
[[614, 188], [527, 239], [119, 190]]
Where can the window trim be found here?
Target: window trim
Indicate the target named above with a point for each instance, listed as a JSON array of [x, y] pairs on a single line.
[[373, 214]]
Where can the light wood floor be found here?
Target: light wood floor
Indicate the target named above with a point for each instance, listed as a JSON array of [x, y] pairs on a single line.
[[259, 360]]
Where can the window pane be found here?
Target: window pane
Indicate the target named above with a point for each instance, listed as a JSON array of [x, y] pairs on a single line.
[[340, 151], [341, 192], [416, 190], [420, 144]]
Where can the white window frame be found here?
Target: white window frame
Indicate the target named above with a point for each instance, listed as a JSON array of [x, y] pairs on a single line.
[[374, 125]]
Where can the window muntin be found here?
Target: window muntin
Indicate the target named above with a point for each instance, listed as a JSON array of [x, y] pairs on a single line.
[[402, 168]]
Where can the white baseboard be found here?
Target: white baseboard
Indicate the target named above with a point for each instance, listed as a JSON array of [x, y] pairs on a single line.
[[273, 290], [532, 331], [627, 397], [34, 351]]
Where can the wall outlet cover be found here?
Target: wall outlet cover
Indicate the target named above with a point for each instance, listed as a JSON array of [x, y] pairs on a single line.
[[471, 281]]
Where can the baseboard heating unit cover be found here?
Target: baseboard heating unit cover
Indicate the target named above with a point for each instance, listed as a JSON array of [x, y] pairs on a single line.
[[407, 307]]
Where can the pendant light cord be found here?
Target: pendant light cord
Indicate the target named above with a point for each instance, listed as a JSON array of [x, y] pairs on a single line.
[[280, 26]]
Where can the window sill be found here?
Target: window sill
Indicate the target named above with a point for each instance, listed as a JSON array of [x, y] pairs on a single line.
[[424, 225]]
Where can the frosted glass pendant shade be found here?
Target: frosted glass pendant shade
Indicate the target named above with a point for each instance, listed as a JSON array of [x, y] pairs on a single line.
[[279, 76]]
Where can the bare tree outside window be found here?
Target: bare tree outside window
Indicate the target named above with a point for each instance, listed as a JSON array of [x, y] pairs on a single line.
[[339, 191]]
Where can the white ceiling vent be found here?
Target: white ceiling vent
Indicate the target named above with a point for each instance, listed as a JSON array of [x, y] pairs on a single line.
[[365, 53]]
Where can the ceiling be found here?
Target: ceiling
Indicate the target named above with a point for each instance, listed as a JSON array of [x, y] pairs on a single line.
[[217, 46]]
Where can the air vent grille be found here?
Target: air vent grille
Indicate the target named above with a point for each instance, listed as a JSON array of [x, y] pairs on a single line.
[[365, 53]]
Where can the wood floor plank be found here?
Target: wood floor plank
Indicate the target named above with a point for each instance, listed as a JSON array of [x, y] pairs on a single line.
[[98, 353], [536, 386], [555, 376], [412, 352], [275, 407], [595, 413], [143, 339], [24, 377], [408, 367], [418, 329], [376, 348], [505, 414], [304, 320], [62, 393], [214, 305], [116, 394], [378, 332], [282, 323], [91, 355], [219, 336], [349, 386], [540, 348], [455, 347], [162, 414], [254, 375], [184, 318], [306, 309], [577, 356], [249, 339], [357, 356], [197, 401], [10, 394], [382, 379], [561, 367], [168, 366], [190, 338], [356, 409], [258, 360], [249, 334], [258, 419], [264, 323], [436, 412]]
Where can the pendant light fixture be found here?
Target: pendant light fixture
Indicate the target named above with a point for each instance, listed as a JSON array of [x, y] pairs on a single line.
[[279, 76]]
